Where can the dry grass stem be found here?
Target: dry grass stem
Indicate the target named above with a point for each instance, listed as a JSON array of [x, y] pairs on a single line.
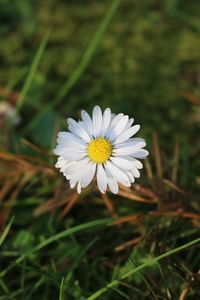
[[175, 162], [191, 98], [36, 148], [148, 169], [184, 293], [174, 186], [109, 205], [145, 191], [126, 219], [177, 213], [128, 244], [133, 196], [74, 198], [157, 155]]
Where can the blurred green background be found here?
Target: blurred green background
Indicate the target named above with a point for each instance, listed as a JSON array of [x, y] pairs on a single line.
[[147, 58], [141, 58]]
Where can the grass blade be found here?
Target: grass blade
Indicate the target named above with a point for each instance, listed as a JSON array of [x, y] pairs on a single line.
[[61, 289], [140, 267], [82, 65], [32, 71], [4, 235], [56, 237], [88, 53], [70, 231]]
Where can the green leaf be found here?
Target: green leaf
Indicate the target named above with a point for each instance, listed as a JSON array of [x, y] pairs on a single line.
[[44, 130]]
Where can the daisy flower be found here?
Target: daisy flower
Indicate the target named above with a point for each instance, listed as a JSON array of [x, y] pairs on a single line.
[[100, 146]]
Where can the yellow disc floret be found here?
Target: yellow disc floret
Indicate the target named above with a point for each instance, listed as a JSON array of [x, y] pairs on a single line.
[[99, 150]]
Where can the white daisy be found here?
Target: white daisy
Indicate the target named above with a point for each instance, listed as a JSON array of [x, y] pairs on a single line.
[[101, 145]]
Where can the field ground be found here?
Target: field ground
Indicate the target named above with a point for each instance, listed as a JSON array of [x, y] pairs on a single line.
[[141, 58]]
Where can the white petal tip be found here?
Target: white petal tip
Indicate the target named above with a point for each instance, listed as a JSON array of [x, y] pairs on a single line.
[[115, 193], [146, 154], [103, 192], [137, 127], [54, 151]]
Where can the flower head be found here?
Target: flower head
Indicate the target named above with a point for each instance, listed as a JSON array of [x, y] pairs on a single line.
[[101, 145]]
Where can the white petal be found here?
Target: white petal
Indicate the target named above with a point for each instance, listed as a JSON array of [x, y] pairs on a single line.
[[73, 181], [130, 147], [64, 167], [70, 144], [66, 151], [76, 177], [58, 150], [120, 160], [112, 183], [135, 173], [125, 163], [118, 128], [126, 134], [113, 116], [101, 178], [83, 175], [74, 155], [88, 122], [61, 162], [77, 166], [97, 120], [89, 131], [138, 164], [130, 123], [87, 178], [136, 141], [79, 130], [141, 153], [127, 183], [86, 117], [114, 121], [131, 177], [105, 121], [79, 187], [115, 172], [69, 138]]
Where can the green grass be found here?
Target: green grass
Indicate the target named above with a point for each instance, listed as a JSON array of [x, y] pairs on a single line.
[[137, 57], [151, 262], [32, 72]]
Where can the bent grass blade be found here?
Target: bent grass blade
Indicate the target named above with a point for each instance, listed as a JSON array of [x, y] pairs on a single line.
[[140, 267]]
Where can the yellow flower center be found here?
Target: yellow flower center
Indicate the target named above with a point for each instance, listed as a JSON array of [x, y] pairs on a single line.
[[99, 150]]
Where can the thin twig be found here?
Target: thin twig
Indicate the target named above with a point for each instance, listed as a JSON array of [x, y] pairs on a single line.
[[109, 205], [157, 155], [174, 186], [148, 169], [176, 161], [36, 148], [69, 206], [184, 293], [128, 244], [130, 195]]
